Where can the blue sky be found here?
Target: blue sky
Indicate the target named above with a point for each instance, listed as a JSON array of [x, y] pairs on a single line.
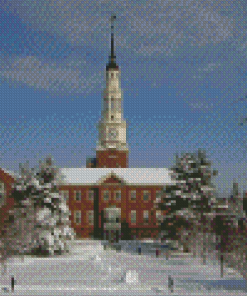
[[183, 76]]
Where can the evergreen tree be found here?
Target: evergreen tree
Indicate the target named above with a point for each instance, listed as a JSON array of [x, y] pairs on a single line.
[[192, 194], [39, 222]]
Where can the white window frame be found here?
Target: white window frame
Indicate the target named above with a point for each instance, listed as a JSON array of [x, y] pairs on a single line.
[[132, 191], [89, 193], [144, 193], [75, 192], [158, 194], [3, 194], [90, 213], [146, 217], [77, 215], [133, 214], [115, 194], [104, 192]]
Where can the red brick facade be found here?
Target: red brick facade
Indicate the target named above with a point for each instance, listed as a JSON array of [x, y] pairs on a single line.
[[112, 159], [9, 202], [99, 203]]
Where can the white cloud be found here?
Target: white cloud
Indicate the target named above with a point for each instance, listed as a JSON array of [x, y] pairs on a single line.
[[166, 23], [148, 28], [34, 72]]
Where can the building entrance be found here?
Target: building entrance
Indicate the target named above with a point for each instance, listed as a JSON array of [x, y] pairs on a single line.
[[112, 224]]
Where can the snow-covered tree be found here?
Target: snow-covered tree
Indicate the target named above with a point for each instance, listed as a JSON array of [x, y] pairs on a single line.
[[39, 222], [191, 196]]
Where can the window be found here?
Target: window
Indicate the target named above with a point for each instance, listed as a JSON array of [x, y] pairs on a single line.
[[106, 195], [65, 194], [112, 117], [112, 75], [158, 215], [118, 195], [146, 195], [133, 217], [145, 217], [90, 217], [2, 194], [112, 103], [133, 195], [90, 195], [78, 195], [158, 194], [78, 217]]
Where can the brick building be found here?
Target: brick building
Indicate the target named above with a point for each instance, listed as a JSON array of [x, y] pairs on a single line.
[[91, 192]]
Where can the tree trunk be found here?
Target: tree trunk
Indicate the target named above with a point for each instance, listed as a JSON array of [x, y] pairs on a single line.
[[221, 265]]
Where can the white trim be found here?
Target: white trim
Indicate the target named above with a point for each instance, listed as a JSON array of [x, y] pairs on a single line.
[[115, 195], [77, 215], [88, 194], [90, 213], [134, 191], [110, 175], [144, 192], [133, 212], [146, 216], [103, 195]]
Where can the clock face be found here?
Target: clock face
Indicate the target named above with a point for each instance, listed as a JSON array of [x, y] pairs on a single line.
[[112, 133]]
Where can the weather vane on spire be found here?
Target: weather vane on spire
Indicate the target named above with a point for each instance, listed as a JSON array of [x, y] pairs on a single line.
[[113, 57]]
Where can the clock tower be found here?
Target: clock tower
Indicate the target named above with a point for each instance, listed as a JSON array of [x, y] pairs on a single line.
[[112, 149]]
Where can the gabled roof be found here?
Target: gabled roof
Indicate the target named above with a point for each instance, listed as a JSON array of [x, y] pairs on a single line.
[[112, 175], [129, 176]]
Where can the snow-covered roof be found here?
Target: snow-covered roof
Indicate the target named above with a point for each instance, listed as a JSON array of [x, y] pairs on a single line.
[[129, 176], [11, 173]]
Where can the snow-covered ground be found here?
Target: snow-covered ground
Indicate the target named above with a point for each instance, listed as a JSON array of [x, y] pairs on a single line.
[[91, 270]]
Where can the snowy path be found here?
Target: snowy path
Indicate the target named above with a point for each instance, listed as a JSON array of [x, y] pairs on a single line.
[[91, 270]]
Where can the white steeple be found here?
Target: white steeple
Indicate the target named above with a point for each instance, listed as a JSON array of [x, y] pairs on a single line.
[[112, 126]]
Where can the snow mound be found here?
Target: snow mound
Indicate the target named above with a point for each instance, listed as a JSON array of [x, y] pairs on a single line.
[[96, 258], [130, 276]]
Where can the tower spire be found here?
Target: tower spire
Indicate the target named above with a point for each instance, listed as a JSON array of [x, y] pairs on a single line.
[[112, 57]]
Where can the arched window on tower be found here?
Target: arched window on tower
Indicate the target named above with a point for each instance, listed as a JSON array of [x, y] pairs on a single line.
[[112, 103], [118, 105]]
